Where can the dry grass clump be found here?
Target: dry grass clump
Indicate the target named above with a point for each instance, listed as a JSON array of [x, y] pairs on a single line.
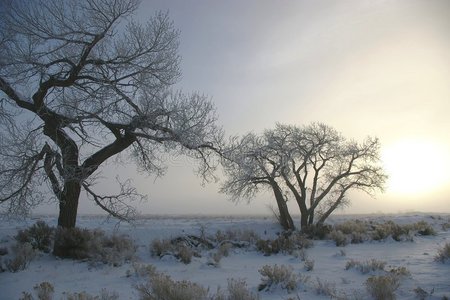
[[161, 286], [443, 253], [284, 243], [309, 264], [389, 228], [39, 235], [45, 291], [366, 266], [338, 237], [23, 254], [236, 290], [278, 276], [104, 295], [423, 228], [325, 288], [142, 270], [400, 272], [382, 287], [445, 226], [353, 226], [356, 231], [236, 235], [176, 248], [317, 231], [401, 232], [94, 246]]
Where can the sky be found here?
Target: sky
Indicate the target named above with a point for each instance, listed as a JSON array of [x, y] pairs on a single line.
[[378, 68]]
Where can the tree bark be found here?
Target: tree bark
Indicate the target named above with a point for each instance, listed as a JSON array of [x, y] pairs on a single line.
[[304, 219], [68, 205], [68, 209], [311, 216]]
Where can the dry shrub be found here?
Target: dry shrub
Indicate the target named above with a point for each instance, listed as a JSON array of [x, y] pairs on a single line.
[[142, 270], [423, 228], [400, 272], [309, 264], [40, 236], [325, 288], [214, 259], [26, 296], [278, 276], [104, 295], [421, 294], [237, 235], [443, 253], [44, 290], [161, 286], [224, 249], [184, 254], [160, 247], [339, 238], [73, 243], [301, 254], [23, 254], [94, 246], [382, 287], [317, 231], [366, 266], [353, 226], [401, 232], [396, 231], [238, 290], [284, 243], [176, 248]]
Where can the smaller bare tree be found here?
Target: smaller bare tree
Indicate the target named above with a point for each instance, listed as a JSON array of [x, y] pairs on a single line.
[[315, 164]]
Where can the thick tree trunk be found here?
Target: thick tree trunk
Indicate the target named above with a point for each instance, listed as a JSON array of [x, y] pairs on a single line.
[[311, 217], [68, 209], [68, 206], [304, 220], [285, 218]]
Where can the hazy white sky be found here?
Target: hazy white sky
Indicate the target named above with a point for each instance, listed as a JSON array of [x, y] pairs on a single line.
[[379, 68]]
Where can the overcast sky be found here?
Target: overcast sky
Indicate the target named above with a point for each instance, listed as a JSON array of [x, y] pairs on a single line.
[[379, 68]]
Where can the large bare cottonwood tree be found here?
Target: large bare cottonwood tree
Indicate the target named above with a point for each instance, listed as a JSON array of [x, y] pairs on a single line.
[[313, 164], [81, 82]]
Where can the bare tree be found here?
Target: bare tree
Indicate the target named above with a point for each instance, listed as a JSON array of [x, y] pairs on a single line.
[[81, 82], [315, 164]]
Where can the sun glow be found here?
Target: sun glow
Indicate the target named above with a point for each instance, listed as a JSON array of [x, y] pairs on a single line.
[[415, 167]]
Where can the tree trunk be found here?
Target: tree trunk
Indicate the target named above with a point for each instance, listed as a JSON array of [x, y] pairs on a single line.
[[285, 218], [304, 220], [68, 206], [68, 209], [311, 217]]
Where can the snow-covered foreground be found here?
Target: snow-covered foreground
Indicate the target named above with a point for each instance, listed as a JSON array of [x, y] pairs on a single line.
[[329, 261]]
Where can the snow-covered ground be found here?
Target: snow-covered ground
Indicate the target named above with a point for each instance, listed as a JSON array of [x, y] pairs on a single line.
[[329, 262]]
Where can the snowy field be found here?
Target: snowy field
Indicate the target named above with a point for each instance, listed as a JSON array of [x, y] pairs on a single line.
[[329, 269]]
